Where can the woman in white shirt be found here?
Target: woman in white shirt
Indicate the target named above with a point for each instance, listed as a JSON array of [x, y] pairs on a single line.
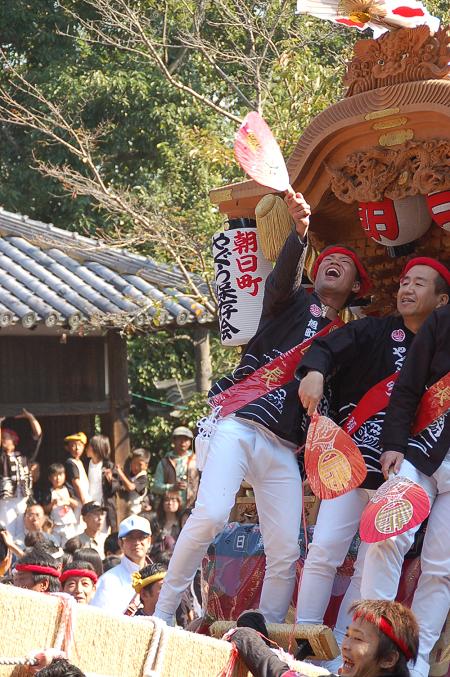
[[103, 483]]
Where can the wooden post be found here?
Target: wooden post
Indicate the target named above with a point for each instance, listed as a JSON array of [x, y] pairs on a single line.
[[203, 367], [116, 422]]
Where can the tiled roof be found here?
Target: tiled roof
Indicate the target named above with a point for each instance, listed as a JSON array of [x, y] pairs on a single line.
[[53, 277]]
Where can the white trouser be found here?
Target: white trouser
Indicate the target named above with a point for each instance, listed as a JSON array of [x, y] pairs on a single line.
[[336, 526], [384, 562], [11, 515], [239, 450]]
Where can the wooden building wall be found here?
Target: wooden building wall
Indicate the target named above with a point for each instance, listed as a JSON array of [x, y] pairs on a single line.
[[65, 385]]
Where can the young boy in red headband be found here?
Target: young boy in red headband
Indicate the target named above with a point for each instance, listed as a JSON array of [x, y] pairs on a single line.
[[258, 439], [361, 355], [422, 455], [380, 640]]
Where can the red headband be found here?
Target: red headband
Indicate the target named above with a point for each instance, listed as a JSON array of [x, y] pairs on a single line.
[[78, 573], [37, 569], [432, 263], [364, 278], [12, 433], [386, 628]]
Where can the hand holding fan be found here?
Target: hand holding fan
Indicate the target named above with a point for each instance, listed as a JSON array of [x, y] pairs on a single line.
[[333, 463], [397, 506]]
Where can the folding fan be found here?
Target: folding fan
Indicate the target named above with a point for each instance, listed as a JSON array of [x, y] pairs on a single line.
[[380, 15], [259, 154], [397, 506], [333, 463]]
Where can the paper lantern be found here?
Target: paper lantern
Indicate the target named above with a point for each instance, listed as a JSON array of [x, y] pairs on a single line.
[[439, 206], [395, 222], [240, 271]]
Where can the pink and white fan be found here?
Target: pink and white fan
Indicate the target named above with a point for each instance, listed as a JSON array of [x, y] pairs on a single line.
[[259, 154], [379, 15]]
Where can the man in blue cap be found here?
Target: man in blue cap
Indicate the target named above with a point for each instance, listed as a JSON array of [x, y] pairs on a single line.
[[114, 589]]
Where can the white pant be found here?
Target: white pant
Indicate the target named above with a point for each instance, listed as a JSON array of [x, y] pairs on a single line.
[[337, 524], [11, 515], [384, 561], [240, 450]]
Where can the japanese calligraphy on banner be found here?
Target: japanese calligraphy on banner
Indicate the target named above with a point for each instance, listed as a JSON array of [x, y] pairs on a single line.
[[240, 273]]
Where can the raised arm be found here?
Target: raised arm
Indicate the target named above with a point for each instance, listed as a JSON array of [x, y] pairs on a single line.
[[286, 278]]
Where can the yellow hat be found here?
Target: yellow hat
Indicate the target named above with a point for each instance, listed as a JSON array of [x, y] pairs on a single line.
[[76, 437]]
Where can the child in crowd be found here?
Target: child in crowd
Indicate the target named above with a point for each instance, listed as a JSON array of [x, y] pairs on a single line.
[[76, 476], [62, 505], [134, 488], [102, 481], [112, 544]]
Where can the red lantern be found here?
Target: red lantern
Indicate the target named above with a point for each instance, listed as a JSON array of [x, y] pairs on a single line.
[[395, 222], [439, 206]]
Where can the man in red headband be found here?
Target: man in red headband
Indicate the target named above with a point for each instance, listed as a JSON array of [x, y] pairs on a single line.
[[362, 355], [258, 439], [417, 446], [37, 570], [381, 638], [79, 580]]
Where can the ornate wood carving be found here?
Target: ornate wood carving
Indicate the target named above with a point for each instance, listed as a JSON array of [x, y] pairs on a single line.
[[404, 55], [418, 167]]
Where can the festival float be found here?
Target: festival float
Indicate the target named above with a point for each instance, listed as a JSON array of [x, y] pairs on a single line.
[[375, 169]]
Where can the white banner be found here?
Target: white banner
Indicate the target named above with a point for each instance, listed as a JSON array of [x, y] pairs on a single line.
[[241, 271]]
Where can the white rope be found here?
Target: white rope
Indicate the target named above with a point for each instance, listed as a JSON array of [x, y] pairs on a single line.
[[24, 660], [157, 648], [206, 428], [65, 633]]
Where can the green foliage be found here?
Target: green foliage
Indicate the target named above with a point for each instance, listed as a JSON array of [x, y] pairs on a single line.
[[158, 142]]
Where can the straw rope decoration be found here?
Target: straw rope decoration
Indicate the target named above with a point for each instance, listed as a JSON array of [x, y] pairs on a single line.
[[274, 225]]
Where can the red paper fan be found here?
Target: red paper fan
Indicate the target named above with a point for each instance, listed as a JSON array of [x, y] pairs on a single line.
[[397, 506], [259, 154], [333, 463]]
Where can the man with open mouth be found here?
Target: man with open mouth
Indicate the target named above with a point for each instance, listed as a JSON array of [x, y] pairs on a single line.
[[365, 357], [258, 440], [380, 640]]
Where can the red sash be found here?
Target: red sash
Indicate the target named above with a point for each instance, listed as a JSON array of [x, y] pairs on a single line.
[[272, 375], [376, 399], [434, 403]]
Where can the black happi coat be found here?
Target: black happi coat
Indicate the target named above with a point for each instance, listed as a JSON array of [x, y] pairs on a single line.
[[427, 362], [289, 316], [360, 355]]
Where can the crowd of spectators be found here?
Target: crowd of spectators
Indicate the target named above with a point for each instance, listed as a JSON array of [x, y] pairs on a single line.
[[59, 525]]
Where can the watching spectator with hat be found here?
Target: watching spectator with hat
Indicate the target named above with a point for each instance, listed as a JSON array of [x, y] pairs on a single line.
[[15, 474], [93, 514], [79, 580], [177, 471], [114, 589], [76, 476]]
